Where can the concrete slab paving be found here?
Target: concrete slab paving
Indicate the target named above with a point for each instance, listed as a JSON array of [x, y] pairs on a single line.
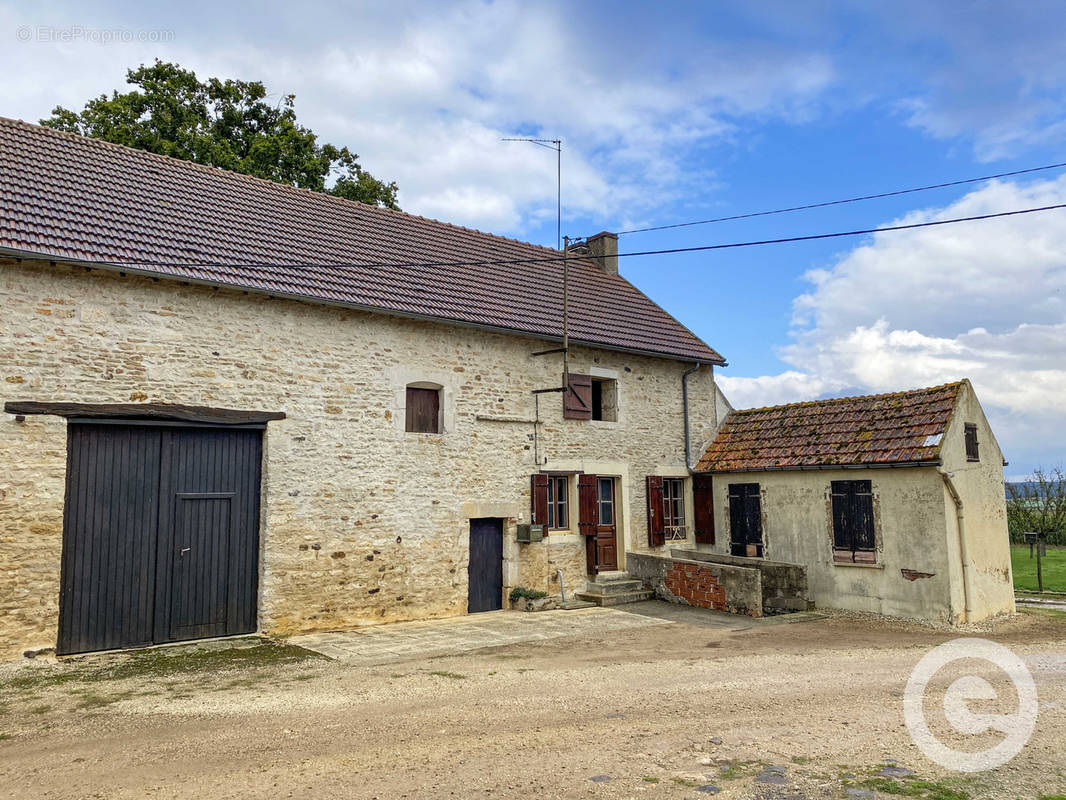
[[707, 618], [383, 644]]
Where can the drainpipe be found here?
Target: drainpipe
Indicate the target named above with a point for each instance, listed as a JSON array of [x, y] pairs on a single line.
[[964, 552], [684, 403]]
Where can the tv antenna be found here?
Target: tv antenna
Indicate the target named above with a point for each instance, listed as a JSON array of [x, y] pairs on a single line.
[[557, 146]]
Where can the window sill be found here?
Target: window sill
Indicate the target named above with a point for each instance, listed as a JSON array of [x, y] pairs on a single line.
[[858, 564], [423, 433]]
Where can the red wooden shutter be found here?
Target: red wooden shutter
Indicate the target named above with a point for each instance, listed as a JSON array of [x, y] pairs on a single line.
[[538, 499], [577, 399], [703, 508], [586, 504], [656, 524]]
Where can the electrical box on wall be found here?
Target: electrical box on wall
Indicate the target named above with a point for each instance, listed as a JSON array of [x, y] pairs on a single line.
[[530, 533]]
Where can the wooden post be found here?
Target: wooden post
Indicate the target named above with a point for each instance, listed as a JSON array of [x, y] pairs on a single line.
[[1039, 570]]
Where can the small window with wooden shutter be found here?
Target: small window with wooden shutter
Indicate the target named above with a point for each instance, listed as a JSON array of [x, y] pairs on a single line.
[[972, 451], [853, 522], [591, 398], [550, 501], [558, 502], [423, 410]]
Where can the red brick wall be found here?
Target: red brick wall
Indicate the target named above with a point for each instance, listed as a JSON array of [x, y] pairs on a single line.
[[696, 585]]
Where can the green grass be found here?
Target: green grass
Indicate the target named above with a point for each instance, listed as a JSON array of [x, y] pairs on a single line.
[[915, 787], [90, 684], [455, 676], [650, 779], [1053, 565], [733, 770]]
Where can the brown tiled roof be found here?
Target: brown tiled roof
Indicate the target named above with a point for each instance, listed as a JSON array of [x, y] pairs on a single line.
[[68, 197], [874, 429]]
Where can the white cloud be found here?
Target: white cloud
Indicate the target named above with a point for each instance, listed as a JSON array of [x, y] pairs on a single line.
[[992, 72], [425, 93], [979, 300]]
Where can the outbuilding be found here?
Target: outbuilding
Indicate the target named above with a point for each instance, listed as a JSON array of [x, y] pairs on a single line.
[[891, 503]]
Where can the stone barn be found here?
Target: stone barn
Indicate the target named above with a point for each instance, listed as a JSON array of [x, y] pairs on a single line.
[[233, 405]]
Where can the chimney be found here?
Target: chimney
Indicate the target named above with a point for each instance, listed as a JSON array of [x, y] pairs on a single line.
[[603, 249]]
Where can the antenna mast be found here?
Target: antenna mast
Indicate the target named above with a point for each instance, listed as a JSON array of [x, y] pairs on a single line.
[[557, 146]]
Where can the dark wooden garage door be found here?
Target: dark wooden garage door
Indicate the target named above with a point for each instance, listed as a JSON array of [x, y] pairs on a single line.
[[160, 535]]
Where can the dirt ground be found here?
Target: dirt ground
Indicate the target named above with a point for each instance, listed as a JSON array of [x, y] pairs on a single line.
[[803, 710]]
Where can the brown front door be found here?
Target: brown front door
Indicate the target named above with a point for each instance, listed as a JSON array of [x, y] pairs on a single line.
[[606, 530]]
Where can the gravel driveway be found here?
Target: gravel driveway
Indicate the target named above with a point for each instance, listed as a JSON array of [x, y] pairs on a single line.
[[681, 710]]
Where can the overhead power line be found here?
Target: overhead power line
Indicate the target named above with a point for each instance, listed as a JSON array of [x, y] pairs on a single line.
[[828, 203], [559, 258]]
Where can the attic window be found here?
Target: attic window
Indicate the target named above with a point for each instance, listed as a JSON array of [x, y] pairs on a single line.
[[591, 398], [605, 399], [972, 453]]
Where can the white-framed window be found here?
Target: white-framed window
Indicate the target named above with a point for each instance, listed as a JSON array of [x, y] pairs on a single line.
[[674, 509]]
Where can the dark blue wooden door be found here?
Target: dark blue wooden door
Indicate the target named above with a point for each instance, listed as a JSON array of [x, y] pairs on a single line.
[[160, 536], [107, 588], [745, 520], [485, 592], [208, 533]]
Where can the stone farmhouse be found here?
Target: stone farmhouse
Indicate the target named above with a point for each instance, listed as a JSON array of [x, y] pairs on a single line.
[[232, 405], [235, 405]]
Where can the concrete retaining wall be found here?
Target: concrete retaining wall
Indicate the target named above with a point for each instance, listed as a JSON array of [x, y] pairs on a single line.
[[722, 587]]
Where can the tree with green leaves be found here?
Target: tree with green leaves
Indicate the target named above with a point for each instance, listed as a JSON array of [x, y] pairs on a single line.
[[1038, 505], [222, 123]]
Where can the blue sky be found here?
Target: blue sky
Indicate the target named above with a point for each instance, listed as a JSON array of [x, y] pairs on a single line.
[[679, 111]]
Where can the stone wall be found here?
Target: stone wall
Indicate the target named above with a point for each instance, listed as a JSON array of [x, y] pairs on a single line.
[[362, 522], [722, 587]]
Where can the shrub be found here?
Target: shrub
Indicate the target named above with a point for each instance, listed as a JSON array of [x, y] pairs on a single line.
[[518, 592]]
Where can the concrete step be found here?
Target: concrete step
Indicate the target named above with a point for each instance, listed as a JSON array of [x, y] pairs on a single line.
[[612, 575], [574, 605], [615, 599], [615, 587]]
